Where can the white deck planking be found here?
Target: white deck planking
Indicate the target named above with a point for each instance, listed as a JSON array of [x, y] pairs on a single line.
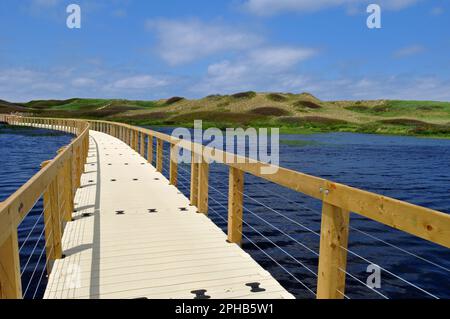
[[167, 254]]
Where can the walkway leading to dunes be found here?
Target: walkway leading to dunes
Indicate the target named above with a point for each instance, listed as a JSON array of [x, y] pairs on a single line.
[[135, 236]]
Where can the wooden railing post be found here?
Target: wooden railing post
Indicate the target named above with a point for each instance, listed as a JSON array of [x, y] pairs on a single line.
[[142, 146], [333, 253], [203, 187], [70, 191], [150, 149], [10, 282], [159, 155], [80, 159], [52, 222], [235, 205], [75, 181], [66, 183], [132, 138], [136, 141], [173, 165]]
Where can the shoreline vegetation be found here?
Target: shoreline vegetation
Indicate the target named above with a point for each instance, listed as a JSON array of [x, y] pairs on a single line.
[[292, 113]]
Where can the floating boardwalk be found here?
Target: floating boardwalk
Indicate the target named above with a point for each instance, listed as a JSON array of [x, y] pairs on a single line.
[[115, 227], [135, 236]]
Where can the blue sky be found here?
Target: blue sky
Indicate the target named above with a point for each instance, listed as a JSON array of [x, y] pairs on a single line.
[[155, 49]]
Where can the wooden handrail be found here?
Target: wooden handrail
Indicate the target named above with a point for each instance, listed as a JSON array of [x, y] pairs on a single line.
[[56, 182], [338, 199]]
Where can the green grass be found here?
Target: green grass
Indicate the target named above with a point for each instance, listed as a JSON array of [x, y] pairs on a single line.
[[292, 113], [88, 104], [392, 108], [80, 104], [299, 142], [145, 104]]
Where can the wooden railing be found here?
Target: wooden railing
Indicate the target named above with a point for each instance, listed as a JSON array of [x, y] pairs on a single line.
[[56, 183], [338, 200]]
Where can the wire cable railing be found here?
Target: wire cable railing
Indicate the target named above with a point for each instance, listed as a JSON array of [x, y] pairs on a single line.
[[346, 249], [310, 231], [354, 228]]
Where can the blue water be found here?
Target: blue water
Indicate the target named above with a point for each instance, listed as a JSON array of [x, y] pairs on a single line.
[[411, 169], [21, 153]]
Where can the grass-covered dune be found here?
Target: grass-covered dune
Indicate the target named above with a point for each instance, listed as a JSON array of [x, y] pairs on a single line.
[[302, 113]]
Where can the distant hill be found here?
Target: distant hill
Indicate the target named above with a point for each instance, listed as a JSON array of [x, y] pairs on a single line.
[[7, 107], [292, 112]]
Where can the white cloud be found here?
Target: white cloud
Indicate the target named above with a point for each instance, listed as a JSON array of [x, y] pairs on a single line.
[[402, 87], [83, 82], [185, 41], [23, 84], [280, 57], [437, 11], [266, 68], [409, 51], [139, 82], [270, 7], [407, 87], [18, 76], [45, 3]]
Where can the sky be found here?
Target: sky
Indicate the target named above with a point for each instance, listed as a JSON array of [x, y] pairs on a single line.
[[139, 49]]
